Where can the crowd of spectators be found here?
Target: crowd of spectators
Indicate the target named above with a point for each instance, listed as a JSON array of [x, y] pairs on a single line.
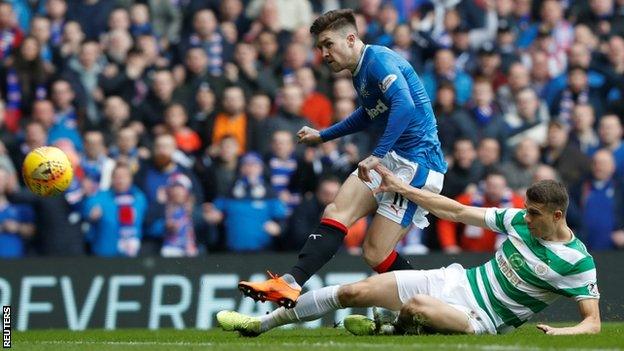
[[179, 117]]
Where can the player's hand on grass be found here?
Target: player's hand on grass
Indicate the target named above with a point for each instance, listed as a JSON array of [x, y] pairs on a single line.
[[365, 166], [309, 136], [547, 329], [389, 181]]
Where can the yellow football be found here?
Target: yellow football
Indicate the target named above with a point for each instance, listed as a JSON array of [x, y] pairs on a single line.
[[47, 171]]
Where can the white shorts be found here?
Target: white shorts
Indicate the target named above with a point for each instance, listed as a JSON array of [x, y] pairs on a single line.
[[448, 284], [393, 206]]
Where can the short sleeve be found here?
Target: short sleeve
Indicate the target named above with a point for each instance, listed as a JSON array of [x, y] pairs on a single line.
[[497, 219]]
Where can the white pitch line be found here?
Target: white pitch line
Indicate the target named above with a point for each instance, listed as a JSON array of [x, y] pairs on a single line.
[[318, 345]]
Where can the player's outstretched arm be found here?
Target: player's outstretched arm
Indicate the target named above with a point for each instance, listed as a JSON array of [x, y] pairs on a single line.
[[440, 206], [590, 324]]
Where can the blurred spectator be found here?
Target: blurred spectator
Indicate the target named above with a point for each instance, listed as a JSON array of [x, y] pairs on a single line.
[[247, 71], [493, 192], [316, 108], [452, 119], [291, 14], [251, 198], [464, 171], [162, 93], [35, 135], [179, 238], [43, 112], [23, 79], [444, 70], [485, 119], [96, 164], [10, 32], [207, 36], [583, 134], [258, 111], [16, 222], [91, 14], [140, 20], [83, 74], [610, 136], [577, 91], [40, 30], [198, 75], [519, 171], [116, 115], [289, 117], [126, 150], [166, 19], [403, 44], [232, 121], [597, 198], [282, 164], [530, 119], [116, 216], [56, 10], [152, 180], [176, 120], [489, 153], [601, 18], [518, 78], [204, 112], [119, 19], [489, 65], [566, 158], [71, 41], [579, 55], [65, 105], [218, 174]]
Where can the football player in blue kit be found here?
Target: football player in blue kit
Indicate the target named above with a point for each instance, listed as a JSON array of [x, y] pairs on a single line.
[[393, 100]]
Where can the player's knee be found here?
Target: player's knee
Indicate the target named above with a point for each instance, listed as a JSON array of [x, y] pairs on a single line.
[[416, 306], [373, 254], [342, 215], [352, 294]]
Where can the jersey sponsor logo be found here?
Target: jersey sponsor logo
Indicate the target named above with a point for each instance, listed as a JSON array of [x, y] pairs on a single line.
[[508, 272], [377, 110], [315, 236], [387, 82], [593, 289]]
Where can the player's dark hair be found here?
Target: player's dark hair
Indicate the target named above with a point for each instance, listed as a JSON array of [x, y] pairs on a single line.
[[333, 20], [550, 193]]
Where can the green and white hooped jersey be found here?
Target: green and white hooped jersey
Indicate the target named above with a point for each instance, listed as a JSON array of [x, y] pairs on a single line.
[[527, 274]]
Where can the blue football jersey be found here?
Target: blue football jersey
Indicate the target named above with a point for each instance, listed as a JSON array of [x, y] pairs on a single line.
[[393, 100]]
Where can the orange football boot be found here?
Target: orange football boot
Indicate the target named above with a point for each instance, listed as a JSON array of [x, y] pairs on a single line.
[[275, 289]]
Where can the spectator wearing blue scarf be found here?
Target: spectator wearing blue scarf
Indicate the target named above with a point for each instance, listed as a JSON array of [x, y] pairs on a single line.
[[116, 216], [252, 212]]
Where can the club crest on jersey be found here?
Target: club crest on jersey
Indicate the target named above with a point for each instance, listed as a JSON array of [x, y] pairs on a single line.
[[540, 269], [377, 110], [387, 82]]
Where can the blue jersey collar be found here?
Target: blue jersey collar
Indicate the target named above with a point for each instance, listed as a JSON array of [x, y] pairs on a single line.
[[359, 65]]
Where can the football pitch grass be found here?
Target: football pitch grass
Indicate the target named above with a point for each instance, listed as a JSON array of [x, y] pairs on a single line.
[[525, 338]]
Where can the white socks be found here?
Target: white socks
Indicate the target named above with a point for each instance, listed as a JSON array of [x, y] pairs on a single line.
[[310, 306]]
